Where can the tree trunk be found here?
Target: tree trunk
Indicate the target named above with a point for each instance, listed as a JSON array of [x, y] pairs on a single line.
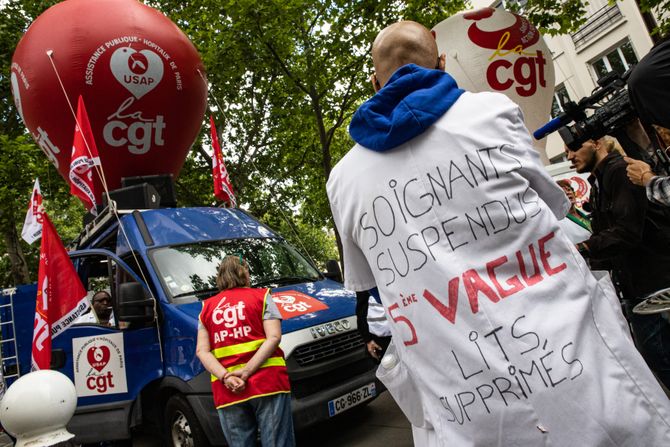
[[340, 251], [649, 23], [19, 266]]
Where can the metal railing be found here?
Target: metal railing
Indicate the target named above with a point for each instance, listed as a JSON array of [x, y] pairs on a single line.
[[600, 20], [328, 348]]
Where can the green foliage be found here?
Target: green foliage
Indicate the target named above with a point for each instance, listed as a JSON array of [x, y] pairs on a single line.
[[660, 8], [285, 76], [315, 243], [20, 163], [554, 17]]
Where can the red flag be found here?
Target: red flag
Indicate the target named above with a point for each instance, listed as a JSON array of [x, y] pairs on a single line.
[[223, 189], [32, 225], [84, 157], [61, 298]]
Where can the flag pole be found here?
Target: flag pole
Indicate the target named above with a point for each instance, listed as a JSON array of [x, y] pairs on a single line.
[[290, 224], [98, 168], [225, 204], [101, 175]]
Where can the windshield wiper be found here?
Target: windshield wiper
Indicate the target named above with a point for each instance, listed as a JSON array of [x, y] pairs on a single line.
[[212, 290], [284, 280]]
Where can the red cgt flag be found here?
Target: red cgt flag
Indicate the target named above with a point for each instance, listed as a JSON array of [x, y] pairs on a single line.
[[61, 298], [84, 158], [223, 189], [292, 303]]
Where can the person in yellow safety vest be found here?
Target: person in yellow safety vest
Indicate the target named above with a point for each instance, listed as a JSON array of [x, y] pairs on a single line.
[[238, 343]]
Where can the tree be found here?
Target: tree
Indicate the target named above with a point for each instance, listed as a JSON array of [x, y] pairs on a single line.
[[285, 77], [21, 161], [658, 8], [288, 74]]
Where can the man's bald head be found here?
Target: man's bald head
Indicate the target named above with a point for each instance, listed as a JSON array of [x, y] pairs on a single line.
[[400, 44]]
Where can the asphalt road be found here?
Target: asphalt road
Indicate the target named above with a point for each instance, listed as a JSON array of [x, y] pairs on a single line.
[[378, 424]]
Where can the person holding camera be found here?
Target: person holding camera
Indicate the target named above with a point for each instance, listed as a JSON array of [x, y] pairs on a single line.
[[657, 187], [648, 86], [649, 93], [631, 238], [641, 174]]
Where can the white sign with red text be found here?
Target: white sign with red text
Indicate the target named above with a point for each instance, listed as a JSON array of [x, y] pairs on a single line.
[[99, 365]]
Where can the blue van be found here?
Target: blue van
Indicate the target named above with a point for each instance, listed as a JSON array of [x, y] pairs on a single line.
[[141, 369]]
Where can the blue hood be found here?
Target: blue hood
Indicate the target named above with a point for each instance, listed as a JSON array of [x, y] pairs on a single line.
[[412, 100]]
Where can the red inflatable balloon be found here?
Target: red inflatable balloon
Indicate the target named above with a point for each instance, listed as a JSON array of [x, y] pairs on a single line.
[[139, 75]]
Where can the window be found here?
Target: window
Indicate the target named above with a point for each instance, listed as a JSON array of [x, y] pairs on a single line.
[[561, 96], [189, 271], [136, 264], [101, 276], [619, 59], [95, 272]]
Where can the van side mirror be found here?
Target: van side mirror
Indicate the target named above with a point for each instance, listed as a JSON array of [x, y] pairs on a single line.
[[333, 270], [134, 305]]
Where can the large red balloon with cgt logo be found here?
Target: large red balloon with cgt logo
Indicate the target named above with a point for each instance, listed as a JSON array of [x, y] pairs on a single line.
[[495, 50], [141, 78]]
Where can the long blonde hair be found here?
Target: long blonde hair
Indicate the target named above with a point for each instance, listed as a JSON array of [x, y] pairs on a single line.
[[611, 144], [233, 272]]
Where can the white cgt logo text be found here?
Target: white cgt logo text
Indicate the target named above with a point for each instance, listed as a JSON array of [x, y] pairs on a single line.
[[139, 72], [141, 134]]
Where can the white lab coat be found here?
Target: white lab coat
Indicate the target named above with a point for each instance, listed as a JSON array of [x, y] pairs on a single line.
[[377, 322], [503, 335]]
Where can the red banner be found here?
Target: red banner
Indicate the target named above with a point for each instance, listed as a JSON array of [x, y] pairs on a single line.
[[84, 158], [223, 189], [61, 298], [292, 303]]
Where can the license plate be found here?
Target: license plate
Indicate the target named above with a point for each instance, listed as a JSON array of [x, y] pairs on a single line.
[[351, 399]]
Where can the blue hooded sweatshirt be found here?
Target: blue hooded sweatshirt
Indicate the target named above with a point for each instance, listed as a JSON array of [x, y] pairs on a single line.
[[412, 100]]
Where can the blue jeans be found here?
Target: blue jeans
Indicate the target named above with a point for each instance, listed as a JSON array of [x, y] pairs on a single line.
[[272, 414]]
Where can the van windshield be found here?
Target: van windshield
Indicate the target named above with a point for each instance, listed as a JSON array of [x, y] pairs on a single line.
[[188, 272]]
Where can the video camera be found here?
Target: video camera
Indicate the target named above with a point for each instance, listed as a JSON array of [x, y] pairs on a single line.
[[612, 111], [607, 119]]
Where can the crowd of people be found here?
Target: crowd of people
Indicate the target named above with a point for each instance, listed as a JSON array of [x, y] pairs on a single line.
[[508, 338]]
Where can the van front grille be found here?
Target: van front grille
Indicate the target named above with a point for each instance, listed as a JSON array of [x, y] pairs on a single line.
[[327, 348]]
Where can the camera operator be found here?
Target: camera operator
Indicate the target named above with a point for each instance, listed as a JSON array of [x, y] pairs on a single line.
[[640, 173], [631, 238], [648, 86], [650, 95]]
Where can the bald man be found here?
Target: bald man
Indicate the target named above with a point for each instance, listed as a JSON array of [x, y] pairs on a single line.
[[501, 334]]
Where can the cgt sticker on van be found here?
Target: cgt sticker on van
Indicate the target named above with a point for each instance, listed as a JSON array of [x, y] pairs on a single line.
[[292, 303], [99, 365]]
